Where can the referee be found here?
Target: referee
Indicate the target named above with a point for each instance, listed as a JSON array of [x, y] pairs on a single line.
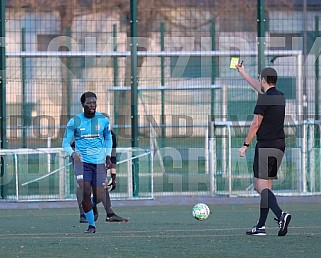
[[268, 126]]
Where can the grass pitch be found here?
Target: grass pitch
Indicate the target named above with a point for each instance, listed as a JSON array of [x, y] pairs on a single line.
[[159, 231]]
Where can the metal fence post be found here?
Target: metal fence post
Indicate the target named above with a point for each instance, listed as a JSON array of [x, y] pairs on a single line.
[[3, 124]]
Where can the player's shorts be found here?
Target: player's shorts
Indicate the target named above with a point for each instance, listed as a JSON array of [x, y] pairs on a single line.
[[267, 158], [87, 172]]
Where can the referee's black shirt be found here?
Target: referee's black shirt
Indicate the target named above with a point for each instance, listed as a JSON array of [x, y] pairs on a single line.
[[271, 106]]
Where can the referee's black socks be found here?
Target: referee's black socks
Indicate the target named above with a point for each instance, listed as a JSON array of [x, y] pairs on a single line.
[[272, 202]]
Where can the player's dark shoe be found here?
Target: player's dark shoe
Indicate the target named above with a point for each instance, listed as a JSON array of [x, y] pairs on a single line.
[[82, 218], [284, 223], [255, 231], [115, 218], [91, 229]]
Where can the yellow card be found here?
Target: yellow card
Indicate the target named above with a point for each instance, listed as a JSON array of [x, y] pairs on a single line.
[[234, 62]]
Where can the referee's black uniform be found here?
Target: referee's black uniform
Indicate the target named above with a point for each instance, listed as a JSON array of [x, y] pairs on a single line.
[[270, 146]]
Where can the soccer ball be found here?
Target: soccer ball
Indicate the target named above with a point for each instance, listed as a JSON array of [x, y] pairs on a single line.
[[201, 211]]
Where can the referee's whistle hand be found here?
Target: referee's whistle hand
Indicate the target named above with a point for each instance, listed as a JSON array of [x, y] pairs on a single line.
[[242, 151]]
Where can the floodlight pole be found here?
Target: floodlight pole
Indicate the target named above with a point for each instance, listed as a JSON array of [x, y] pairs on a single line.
[[261, 35], [134, 90]]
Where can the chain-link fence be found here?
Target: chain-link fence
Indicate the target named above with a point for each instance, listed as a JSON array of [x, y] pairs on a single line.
[[174, 78]]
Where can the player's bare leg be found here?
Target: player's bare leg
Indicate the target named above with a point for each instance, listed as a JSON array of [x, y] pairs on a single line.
[[79, 194], [87, 206], [102, 195]]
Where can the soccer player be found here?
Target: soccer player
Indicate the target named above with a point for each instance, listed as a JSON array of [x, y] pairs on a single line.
[[111, 186], [268, 126], [93, 146]]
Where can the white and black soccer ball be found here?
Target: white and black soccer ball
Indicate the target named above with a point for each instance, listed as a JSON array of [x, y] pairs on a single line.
[[201, 211]]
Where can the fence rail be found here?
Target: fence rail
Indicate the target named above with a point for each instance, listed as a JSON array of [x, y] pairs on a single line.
[[46, 174], [299, 172]]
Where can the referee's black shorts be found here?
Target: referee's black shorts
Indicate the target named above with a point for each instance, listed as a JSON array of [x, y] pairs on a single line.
[[267, 158]]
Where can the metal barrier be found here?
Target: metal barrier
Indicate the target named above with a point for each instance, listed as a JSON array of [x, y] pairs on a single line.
[[299, 173], [46, 174]]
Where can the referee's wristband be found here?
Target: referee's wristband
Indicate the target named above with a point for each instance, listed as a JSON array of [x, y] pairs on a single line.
[[245, 144]]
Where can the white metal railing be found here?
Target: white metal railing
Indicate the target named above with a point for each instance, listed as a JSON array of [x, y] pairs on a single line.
[[304, 156], [226, 53], [14, 166]]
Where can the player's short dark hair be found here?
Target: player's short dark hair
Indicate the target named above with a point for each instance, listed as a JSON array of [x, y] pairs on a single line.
[[85, 95], [270, 75]]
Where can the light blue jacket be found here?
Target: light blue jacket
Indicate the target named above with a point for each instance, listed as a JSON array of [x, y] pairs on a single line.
[[93, 139]]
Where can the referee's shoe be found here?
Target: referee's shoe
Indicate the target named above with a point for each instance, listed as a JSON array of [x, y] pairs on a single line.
[[255, 231], [283, 222]]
